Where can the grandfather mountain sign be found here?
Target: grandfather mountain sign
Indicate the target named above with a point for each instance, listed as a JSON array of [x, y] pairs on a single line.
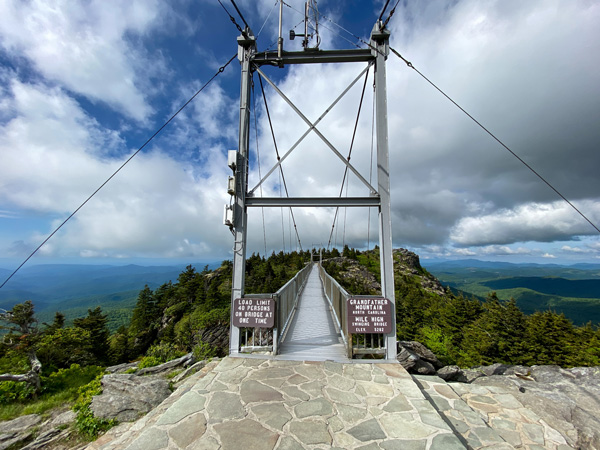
[[369, 315]]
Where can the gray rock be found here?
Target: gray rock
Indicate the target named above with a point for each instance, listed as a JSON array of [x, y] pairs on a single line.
[[568, 400], [20, 424], [120, 368], [416, 358], [185, 360], [494, 369], [450, 373], [126, 397]]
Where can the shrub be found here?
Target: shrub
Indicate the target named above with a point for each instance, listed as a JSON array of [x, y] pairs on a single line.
[[85, 422]]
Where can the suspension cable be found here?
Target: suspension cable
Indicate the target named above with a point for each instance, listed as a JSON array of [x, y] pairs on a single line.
[[278, 157], [221, 70], [384, 8], [389, 17], [234, 21], [262, 210], [362, 96], [240, 13], [409, 64], [371, 166]]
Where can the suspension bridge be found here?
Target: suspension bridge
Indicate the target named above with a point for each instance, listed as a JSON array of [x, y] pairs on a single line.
[[312, 316]]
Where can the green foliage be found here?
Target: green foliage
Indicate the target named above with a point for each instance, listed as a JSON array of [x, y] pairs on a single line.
[[149, 361], [71, 378], [164, 351], [204, 350], [13, 391], [96, 324], [85, 423], [64, 347], [58, 389], [468, 332]]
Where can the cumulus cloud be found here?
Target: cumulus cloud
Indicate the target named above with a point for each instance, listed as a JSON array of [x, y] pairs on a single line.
[[85, 47], [529, 222]]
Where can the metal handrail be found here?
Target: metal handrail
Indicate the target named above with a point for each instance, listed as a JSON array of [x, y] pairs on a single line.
[[287, 301], [337, 297]]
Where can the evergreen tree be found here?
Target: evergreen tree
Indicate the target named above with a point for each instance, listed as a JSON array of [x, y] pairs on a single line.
[[23, 336], [95, 323]]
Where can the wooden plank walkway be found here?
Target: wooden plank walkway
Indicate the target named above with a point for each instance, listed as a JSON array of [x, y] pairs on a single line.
[[313, 335]]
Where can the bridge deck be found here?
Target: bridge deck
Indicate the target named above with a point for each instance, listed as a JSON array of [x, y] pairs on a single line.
[[313, 335]]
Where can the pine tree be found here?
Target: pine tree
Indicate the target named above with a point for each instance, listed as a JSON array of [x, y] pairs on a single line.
[[21, 320], [95, 323]]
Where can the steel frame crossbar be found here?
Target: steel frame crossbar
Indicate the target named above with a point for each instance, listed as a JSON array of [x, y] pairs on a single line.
[[307, 132], [312, 127]]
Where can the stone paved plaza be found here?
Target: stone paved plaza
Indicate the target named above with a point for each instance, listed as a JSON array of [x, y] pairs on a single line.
[[248, 403]]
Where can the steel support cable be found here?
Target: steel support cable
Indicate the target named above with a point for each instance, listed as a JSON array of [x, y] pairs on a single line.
[[316, 130], [384, 8], [240, 13], [221, 70], [262, 210], [278, 157], [389, 17], [409, 64], [234, 21], [371, 166], [344, 179]]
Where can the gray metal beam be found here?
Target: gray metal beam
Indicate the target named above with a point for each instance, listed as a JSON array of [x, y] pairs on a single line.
[[380, 46], [317, 202], [246, 48], [312, 57]]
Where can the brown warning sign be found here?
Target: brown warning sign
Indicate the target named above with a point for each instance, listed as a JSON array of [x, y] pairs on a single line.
[[369, 315], [254, 312]]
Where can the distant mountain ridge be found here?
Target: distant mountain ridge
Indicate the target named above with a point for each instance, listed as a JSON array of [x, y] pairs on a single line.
[[573, 290], [49, 285]]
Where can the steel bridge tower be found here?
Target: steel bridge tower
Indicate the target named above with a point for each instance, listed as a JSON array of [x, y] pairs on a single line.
[[251, 61]]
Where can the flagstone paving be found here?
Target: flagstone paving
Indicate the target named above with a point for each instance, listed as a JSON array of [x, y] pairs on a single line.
[[248, 403]]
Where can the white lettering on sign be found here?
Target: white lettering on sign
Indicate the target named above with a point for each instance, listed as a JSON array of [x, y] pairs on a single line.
[[254, 312], [369, 315]]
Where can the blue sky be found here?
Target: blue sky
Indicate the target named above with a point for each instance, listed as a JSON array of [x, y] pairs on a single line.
[[83, 84]]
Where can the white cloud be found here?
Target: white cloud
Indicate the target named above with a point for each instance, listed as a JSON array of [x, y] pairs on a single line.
[[85, 47], [548, 255], [529, 222]]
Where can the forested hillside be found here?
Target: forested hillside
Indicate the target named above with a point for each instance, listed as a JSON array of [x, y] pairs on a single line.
[[186, 315], [467, 331]]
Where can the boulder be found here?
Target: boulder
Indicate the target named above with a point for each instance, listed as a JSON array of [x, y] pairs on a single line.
[[126, 397], [416, 358]]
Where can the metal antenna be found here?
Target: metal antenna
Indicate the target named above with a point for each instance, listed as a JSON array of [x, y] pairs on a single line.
[[309, 6]]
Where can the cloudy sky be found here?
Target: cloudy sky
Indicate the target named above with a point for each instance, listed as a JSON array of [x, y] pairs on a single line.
[[84, 84]]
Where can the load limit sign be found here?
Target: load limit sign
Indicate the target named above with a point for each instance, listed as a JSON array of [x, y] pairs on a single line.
[[254, 312], [369, 315]]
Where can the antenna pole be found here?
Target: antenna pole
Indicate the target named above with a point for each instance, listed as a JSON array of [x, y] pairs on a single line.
[[280, 40]]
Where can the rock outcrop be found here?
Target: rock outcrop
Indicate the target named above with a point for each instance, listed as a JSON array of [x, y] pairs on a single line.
[[126, 397], [567, 399], [407, 263], [32, 432]]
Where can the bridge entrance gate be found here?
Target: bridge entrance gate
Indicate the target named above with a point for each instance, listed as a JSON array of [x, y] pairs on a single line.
[[252, 61]]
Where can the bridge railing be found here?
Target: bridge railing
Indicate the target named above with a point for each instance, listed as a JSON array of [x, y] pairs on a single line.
[[286, 299], [357, 344]]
